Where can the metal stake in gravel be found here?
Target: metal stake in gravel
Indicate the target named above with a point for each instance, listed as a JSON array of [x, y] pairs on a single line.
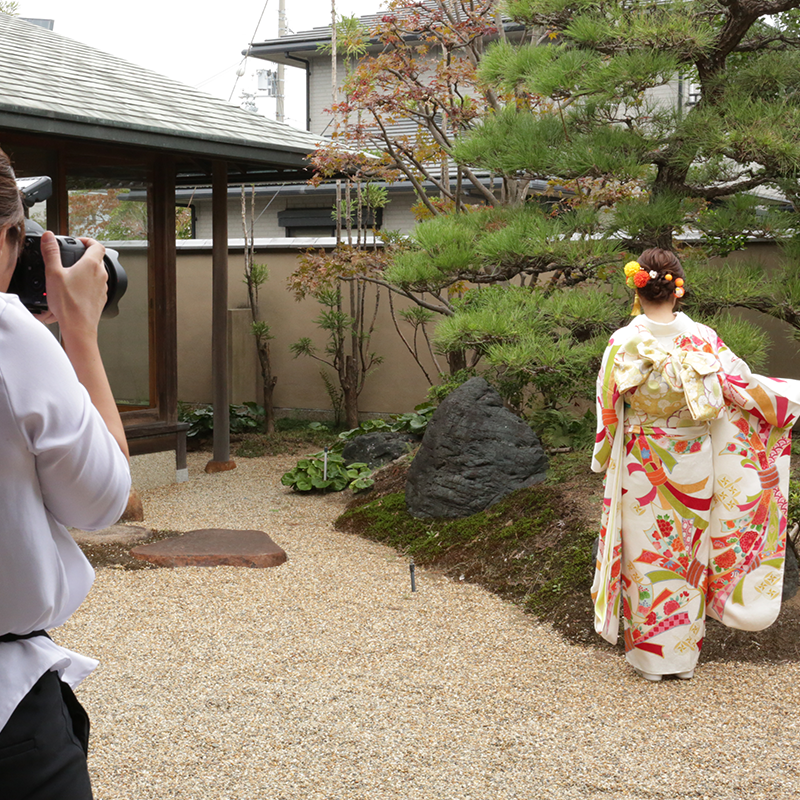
[[325, 464], [411, 569]]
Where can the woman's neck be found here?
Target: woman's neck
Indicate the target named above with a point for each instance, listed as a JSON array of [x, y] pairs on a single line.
[[658, 312]]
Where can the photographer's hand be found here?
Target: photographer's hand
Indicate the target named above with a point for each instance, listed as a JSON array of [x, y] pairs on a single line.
[[75, 297]]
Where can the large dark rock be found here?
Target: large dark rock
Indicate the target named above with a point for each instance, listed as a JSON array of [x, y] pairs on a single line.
[[474, 453], [381, 447]]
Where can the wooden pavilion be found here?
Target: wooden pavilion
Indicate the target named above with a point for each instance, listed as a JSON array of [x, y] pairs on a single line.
[[90, 120]]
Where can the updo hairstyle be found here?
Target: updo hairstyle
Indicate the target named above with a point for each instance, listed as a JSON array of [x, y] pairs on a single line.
[[664, 262], [12, 212]]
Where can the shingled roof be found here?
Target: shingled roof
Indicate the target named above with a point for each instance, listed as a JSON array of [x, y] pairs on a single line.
[[280, 50], [55, 85]]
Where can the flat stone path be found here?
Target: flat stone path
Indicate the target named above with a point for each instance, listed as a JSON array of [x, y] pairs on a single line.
[[213, 547]]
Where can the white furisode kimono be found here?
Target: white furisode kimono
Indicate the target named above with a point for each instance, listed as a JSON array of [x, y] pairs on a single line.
[[696, 450]]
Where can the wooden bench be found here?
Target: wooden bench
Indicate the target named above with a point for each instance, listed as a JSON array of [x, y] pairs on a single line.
[[158, 437]]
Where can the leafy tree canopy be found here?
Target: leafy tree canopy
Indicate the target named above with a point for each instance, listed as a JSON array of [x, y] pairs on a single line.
[[589, 131], [107, 216]]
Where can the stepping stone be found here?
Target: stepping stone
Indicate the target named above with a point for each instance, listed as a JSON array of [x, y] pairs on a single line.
[[213, 547]]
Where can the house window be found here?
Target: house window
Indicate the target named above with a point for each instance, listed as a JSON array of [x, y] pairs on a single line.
[[693, 94], [312, 222]]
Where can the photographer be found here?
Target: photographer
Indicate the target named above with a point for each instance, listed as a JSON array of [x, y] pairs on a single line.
[[63, 461]]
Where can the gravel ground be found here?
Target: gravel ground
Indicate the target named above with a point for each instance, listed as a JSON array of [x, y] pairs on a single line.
[[327, 678]]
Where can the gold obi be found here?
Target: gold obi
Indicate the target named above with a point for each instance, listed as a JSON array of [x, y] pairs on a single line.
[[669, 380]]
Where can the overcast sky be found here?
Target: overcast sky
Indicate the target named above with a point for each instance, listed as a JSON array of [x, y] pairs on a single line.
[[197, 42]]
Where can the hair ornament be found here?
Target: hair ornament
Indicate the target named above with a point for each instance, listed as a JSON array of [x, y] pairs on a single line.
[[631, 268], [641, 278], [679, 282], [668, 277], [679, 291], [653, 274]]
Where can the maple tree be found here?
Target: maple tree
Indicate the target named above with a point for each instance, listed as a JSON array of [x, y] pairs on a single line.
[[399, 115], [340, 284], [106, 215]]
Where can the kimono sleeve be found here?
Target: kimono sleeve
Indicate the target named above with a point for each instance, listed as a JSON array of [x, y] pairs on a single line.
[[751, 445], [609, 409], [775, 401]]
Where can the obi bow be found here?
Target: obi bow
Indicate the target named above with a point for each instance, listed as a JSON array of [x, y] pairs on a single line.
[[692, 372]]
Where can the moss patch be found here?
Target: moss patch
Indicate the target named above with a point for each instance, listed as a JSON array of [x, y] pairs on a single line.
[[118, 556], [533, 547]]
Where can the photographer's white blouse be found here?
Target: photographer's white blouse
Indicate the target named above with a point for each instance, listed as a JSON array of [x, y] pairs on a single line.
[[59, 466]]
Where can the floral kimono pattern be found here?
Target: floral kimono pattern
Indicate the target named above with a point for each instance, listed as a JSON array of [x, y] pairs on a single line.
[[696, 454]]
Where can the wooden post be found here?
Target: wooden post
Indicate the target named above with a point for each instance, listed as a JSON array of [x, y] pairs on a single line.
[[219, 320], [58, 204], [161, 255]]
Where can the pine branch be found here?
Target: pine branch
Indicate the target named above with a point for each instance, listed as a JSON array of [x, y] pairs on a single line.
[[782, 311], [445, 309], [741, 17], [763, 42], [713, 192], [761, 8]]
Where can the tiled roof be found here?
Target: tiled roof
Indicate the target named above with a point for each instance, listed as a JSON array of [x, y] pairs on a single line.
[[323, 32], [311, 39], [51, 84]]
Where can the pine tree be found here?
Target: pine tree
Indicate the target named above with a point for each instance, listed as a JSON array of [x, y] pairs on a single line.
[[643, 120], [594, 103], [599, 101]]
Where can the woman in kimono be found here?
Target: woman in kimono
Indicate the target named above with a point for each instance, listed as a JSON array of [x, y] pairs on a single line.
[[695, 449]]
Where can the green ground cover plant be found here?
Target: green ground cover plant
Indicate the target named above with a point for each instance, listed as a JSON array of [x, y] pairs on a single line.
[[327, 472]]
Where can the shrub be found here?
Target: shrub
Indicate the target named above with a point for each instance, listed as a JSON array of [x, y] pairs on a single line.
[[327, 472], [243, 418]]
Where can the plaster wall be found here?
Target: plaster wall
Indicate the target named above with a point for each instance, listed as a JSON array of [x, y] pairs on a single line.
[[124, 340], [783, 358], [396, 386]]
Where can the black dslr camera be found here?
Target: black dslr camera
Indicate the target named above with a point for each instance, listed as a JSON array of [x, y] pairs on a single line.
[[28, 279]]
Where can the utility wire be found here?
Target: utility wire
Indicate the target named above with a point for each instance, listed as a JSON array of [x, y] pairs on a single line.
[[221, 72], [249, 47]]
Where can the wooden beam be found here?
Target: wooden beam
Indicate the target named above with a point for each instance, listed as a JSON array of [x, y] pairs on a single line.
[[219, 319]]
